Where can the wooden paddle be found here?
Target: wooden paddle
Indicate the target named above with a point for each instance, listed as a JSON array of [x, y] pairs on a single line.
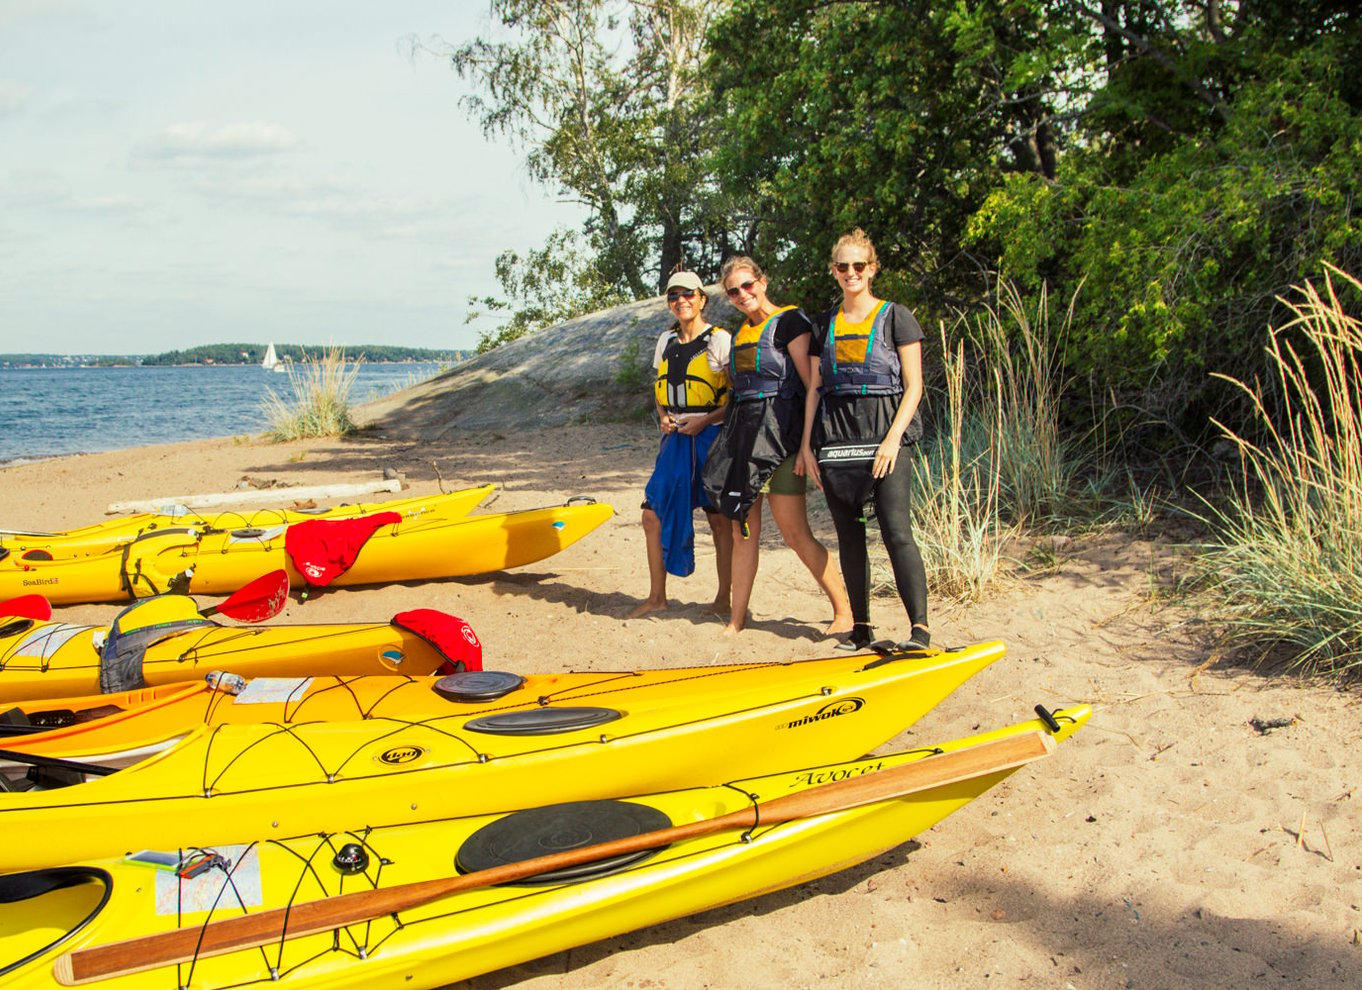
[[262, 599], [27, 607], [265, 927]]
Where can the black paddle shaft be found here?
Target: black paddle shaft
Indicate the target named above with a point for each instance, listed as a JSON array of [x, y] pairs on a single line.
[[32, 759]]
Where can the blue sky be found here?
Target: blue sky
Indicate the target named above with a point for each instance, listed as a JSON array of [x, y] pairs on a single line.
[[176, 173]]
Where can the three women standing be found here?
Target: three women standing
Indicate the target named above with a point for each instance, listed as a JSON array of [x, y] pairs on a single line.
[[862, 410], [836, 399]]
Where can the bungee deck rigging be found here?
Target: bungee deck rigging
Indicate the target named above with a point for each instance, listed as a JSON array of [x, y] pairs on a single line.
[[667, 728], [482, 925]]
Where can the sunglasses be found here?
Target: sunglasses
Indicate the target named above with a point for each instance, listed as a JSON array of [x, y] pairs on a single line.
[[842, 266], [737, 290], [675, 294]]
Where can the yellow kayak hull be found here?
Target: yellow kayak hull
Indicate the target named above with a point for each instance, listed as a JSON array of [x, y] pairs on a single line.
[[480, 930], [557, 738], [220, 562], [100, 537], [58, 660]]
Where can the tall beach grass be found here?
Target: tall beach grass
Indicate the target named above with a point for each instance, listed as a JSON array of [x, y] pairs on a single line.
[[1285, 565], [956, 517], [1020, 354], [318, 403], [994, 463]]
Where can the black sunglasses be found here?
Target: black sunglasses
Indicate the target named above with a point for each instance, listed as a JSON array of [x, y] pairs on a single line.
[[675, 294], [842, 266]]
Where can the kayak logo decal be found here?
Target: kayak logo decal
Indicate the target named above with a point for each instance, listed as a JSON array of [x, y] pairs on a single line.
[[833, 709], [811, 778], [399, 755]]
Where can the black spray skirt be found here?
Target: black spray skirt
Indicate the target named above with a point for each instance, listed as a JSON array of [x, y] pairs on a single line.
[[756, 437]]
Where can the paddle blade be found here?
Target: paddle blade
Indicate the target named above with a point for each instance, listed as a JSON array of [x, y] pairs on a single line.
[[27, 607], [262, 599]]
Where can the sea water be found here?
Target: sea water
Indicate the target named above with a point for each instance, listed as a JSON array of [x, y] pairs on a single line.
[[46, 412]]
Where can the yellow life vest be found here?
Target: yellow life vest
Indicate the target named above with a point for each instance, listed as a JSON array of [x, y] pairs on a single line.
[[685, 381]]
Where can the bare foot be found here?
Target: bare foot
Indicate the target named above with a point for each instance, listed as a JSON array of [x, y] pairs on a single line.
[[720, 606], [840, 626], [735, 625], [644, 608]]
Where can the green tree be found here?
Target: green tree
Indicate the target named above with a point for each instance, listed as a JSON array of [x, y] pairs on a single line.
[[1215, 166], [896, 117], [609, 103], [544, 286]]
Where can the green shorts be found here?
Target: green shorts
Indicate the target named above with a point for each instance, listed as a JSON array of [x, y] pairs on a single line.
[[785, 481]]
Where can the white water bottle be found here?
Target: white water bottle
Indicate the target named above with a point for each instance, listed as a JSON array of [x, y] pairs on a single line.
[[227, 683]]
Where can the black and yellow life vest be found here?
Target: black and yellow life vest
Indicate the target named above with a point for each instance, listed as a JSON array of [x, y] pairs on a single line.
[[758, 368], [685, 381], [861, 360]]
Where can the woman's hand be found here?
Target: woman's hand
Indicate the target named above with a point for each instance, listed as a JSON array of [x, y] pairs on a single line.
[[886, 456], [667, 423], [691, 427], [807, 463]]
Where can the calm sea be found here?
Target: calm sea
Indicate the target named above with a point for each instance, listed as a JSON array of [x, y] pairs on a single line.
[[45, 412]]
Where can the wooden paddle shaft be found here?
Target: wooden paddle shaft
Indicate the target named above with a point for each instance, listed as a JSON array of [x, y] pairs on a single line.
[[266, 927]]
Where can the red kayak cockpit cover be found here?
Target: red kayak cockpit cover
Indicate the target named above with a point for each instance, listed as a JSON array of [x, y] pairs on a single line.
[[323, 549], [449, 634]]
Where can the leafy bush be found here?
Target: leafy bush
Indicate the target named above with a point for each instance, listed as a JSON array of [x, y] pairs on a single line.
[[1187, 252]]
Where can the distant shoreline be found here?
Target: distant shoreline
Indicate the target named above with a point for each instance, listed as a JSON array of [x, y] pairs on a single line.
[[70, 366], [71, 410]]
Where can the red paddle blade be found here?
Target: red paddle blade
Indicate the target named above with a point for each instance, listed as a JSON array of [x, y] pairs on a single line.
[[262, 599], [28, 607]]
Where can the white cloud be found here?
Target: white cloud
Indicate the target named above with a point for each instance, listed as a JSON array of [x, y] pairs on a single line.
[[198, 143], [13, 96], [20, 13], [50, 191]]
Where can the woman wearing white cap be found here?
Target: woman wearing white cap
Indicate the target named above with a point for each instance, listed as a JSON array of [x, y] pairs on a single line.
[[691, 390]]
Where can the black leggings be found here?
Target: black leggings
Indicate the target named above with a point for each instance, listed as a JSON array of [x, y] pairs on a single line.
[[893, 497]]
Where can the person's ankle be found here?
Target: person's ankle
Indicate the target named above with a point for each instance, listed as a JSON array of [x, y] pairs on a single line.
[[861, 636], [921, 638]]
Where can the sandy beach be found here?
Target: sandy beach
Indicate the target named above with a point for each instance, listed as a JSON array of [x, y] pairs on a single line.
[[1172, 842]]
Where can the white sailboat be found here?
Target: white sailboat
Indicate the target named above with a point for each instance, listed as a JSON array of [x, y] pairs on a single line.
[[271, 361]]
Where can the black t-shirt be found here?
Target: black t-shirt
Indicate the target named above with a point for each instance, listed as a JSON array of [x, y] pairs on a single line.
[[790, 324], [851, 418]]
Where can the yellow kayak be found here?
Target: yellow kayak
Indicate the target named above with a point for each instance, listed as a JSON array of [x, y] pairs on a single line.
[[88, 921], [103, 536], [486, 743], [218, 562], [166, 640]]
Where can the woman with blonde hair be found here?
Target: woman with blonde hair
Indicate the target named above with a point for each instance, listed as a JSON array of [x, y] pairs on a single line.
[[862, 411], [757, 451]]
